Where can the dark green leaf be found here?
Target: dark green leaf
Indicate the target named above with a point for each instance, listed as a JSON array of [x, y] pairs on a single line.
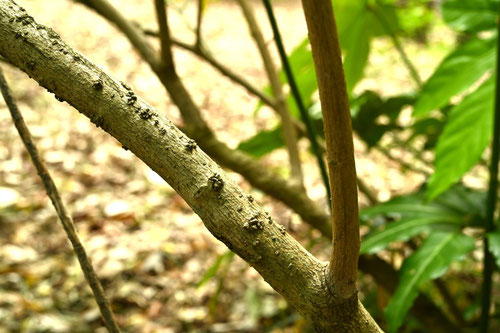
[[457, 72], [471, 15], [369, 108], [429, 262], [263, 142], [404, 229], [494, 245], [464, 139]]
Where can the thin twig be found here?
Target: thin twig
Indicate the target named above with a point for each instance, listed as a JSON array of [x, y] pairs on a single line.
[[289, 132], [202, 53], [167, 60], [401, 162], [397, 44], [199, 20], [296, 95], [66, 220]]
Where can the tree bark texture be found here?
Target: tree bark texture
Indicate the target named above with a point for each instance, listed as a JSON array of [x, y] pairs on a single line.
[[228, 213]]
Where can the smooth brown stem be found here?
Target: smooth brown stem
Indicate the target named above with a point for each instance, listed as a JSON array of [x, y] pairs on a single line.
[[339, 144], [66, 221], [289, 132]]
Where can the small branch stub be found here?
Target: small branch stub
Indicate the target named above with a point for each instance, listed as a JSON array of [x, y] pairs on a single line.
[[216, 182]]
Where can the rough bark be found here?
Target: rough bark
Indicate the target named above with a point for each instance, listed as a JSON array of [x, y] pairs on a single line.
[[229, 214]]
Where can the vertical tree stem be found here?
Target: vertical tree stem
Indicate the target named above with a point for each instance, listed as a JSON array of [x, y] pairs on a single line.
[[66, 220], [296, 95], [339, 145], [489, 264]]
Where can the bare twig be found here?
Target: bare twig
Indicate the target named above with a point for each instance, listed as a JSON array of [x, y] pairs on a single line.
[[64, 217], [167, 60], [397, 44], [401, 162], [289, 131], [339, 145], [199, 19], [201, 52]]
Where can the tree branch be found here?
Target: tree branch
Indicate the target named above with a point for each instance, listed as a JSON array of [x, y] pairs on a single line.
[[289, 132], [339, 144], [226, 211], [257, 175], [64, 217], [167, 60], [41, 53]]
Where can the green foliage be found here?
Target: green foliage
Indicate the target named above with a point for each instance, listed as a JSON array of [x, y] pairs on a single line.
[[494, 245], [457, 72], [465, 137], [369, 108], [429, 262], [411, 215], [263, 142], [471, 15]]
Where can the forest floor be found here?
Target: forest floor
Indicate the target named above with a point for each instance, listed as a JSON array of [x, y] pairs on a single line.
[[150, 250]]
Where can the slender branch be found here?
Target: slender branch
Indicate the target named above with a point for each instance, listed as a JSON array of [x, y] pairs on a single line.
[[66, 221], [339, 145], [397, 44], [135, 37], [199, 19], [363, 188], [202, 53], [289, 132], [489, 262], [167, 60], [296, 95], [401, 162]]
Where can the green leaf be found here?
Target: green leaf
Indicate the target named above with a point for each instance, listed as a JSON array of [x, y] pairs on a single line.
[[464, 139], [405, 229], [263, 142], [369, 108], [429, 262], [212, 270], [470, 15], [494, 245], [458, 71]]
